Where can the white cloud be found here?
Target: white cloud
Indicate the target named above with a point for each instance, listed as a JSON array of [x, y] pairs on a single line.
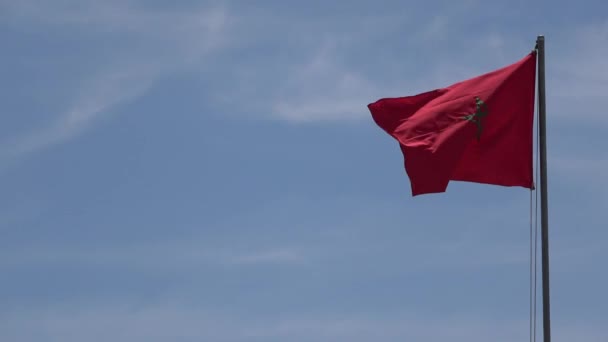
[[436, 29], [171, 321], [272, 256], [150, 44], [577, 75], [581, 168], [327, 88], [101, 94], [587, 174], [157, 257], [339, 251], [323, 90]]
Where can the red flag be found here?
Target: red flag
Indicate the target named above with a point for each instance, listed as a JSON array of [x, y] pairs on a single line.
[[478, 130]]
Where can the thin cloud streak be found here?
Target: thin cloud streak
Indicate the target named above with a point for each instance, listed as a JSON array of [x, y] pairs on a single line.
[[460, 254], [323, 90], [578, 75], [154, 257], [167, 43], [105, 93], [170, 320]]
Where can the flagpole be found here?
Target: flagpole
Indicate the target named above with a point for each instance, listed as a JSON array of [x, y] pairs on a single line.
[[542, 140]]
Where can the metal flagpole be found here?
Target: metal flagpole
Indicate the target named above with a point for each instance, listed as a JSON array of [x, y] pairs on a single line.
[[542, 140]]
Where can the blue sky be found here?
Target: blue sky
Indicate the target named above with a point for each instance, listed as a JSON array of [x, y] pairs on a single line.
[[209, 171]]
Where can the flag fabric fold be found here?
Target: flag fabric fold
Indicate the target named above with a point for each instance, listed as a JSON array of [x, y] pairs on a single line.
[[478, 130]]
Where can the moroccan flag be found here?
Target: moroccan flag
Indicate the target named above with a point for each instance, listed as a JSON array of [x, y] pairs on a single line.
[[478, 130]]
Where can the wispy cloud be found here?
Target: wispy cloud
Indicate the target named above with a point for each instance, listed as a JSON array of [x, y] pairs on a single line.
[[323, 90], [272, 256], [150, 44], [585, 173], [99, 97], [582, 169], [578, 74], [171, 321], [178, 255], [330, 87], [406, 256]]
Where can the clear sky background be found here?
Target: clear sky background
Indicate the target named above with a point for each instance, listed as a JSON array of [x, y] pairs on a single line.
[[209, 171]]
